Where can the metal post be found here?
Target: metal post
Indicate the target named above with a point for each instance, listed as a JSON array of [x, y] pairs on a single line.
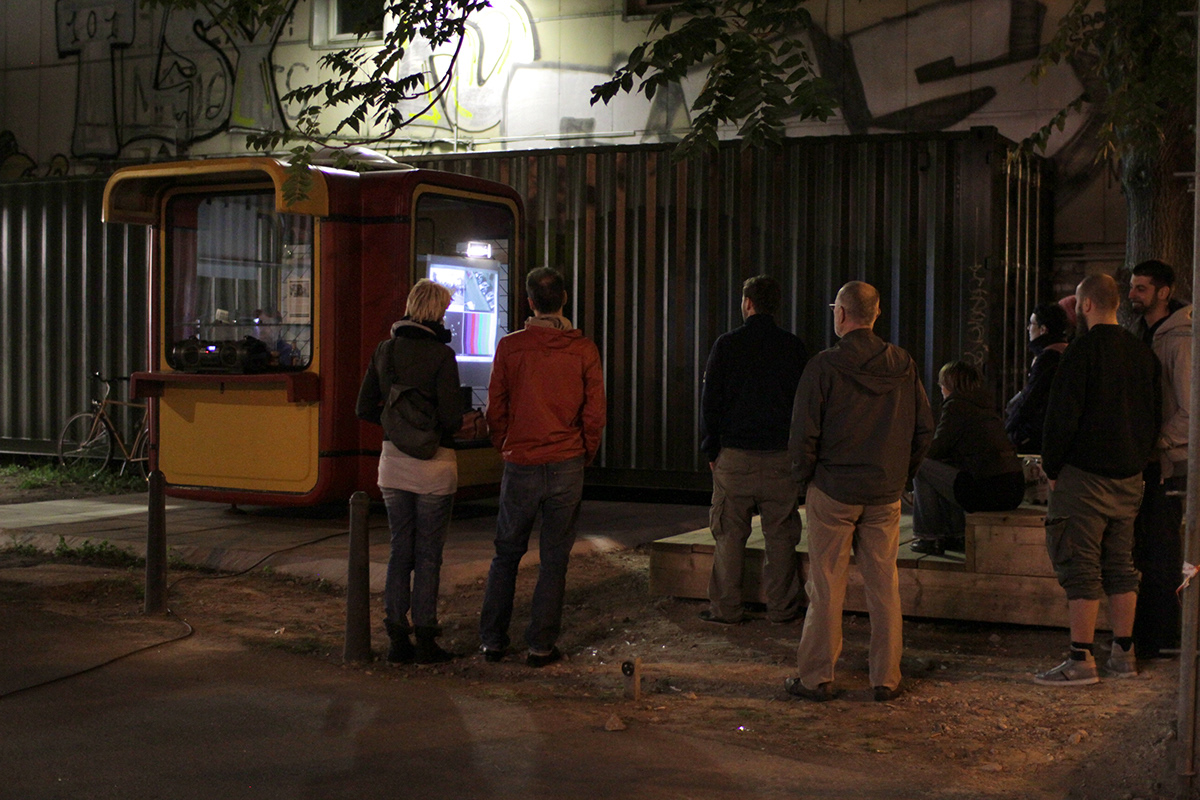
[[1189, 665], [156, 545], [358, 583]]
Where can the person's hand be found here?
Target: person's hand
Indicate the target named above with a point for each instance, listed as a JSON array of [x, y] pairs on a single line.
[[712, 465], [1051, 481]]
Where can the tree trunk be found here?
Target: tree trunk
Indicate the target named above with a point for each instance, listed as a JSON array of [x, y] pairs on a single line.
[[1159, 205]]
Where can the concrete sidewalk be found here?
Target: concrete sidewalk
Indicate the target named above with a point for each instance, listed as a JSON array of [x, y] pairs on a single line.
[[312, 543]]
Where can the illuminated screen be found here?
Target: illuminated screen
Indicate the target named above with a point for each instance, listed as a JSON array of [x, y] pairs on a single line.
[[473, 317]]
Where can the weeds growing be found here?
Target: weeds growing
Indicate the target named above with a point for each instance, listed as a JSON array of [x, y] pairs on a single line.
[[42, 472], [99, 554]]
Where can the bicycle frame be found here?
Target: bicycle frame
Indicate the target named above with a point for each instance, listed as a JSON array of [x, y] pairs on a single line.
[[102, 432]]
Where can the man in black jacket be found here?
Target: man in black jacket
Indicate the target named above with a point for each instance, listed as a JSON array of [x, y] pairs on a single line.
[[1102, 421], [746, 406]]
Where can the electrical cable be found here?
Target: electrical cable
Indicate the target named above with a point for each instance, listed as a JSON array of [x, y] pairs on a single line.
[[189, 628]]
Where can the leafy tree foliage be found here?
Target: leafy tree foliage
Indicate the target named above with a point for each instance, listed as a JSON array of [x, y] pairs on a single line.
[[368, 101], [1137, 61], [759, 72]]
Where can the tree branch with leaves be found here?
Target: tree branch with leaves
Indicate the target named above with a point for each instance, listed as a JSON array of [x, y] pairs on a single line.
[[1137, 62], [760, 74], [365, 96]]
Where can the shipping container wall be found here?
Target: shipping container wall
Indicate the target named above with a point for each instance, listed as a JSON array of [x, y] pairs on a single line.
[[73, 300], [655, 252], [948, 227]]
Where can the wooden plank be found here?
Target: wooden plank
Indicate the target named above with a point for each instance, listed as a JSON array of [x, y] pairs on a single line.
[[1012, 551], [679, 574], [1005, 575], [940, 594]]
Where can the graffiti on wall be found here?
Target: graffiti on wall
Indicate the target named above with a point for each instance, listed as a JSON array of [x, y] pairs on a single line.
[[16, 164], [177, 78]]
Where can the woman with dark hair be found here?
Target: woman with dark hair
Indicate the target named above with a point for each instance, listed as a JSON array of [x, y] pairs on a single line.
[[417, 490], [1025, 414], [971, 465]]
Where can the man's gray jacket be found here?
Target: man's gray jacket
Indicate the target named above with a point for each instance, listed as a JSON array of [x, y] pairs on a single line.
[[861, 422], [1173, 346]]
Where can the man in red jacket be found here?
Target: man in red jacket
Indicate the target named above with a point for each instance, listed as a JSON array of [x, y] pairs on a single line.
[[546, 409]]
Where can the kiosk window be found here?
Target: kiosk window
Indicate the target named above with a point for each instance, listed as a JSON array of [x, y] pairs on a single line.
[[239, 280], [463, 244]]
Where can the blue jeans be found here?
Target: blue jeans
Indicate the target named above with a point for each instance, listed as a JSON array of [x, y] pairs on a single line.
[[555, 491], [418, 524]]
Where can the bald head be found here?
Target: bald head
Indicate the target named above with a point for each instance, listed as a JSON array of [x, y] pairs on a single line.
[[1097, 298], [857, 306]]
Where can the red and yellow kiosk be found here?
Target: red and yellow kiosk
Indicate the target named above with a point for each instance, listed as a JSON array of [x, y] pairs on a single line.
[[264, 314]]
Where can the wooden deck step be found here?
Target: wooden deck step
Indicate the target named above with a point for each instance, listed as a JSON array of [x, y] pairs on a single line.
[[1005, 574]]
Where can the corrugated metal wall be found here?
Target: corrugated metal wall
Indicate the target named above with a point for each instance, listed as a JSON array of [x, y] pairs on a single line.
[[73, 299], [655, 254]]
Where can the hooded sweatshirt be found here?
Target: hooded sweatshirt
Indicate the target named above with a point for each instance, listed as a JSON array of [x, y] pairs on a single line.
[[546, 395], [1172, 343], [1026, 412], [861, 422]]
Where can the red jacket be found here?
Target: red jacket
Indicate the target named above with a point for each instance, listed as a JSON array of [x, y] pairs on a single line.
[[546, 396]]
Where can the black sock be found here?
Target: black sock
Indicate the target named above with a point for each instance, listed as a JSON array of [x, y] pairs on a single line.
[[1078, 649], [1126, 642]]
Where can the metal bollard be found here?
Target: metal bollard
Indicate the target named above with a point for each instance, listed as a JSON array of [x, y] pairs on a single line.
[[358, 583], [156, 545]]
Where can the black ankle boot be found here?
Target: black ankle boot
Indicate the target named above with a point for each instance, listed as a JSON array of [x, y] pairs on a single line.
[[428, 651], [401, 650]]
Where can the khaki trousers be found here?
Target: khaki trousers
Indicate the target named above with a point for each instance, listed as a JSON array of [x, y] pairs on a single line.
[[746, 481], [874, 534]]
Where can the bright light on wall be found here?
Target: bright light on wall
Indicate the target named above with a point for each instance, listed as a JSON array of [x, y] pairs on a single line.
[[479, 250]]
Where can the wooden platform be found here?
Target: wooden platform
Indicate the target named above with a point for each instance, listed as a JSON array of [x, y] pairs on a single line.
[[1004, 576]]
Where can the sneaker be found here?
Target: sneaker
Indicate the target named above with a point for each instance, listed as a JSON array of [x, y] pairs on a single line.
[[708, 616], [492, 656], [1070, 673], [539, 660], [821, 694], [1121, 663]]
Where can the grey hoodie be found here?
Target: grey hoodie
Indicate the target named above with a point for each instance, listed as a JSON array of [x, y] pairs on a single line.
[[1173, 346], [861, 422]]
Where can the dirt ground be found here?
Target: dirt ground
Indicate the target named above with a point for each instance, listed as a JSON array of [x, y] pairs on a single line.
[[969, 709]]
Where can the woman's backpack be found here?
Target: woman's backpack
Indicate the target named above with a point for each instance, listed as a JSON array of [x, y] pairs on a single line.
[[409, 416]]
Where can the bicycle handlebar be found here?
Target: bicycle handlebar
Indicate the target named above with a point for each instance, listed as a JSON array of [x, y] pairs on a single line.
[[108, 384]]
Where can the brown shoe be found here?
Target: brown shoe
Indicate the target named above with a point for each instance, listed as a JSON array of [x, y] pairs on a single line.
[[821, 694]]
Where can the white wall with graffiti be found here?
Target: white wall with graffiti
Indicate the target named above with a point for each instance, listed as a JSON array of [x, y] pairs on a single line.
[[86, 83]]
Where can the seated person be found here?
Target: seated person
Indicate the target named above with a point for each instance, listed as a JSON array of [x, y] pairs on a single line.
[[1026, 412], [971, 464]]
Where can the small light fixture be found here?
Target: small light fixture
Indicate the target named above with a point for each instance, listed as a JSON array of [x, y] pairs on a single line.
[[479, 250]]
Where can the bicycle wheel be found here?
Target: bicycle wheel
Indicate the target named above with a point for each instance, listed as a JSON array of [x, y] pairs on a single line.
[[139, 457], [86, 442]]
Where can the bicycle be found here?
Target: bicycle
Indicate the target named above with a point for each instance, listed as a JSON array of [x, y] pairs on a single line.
[[89, 437]]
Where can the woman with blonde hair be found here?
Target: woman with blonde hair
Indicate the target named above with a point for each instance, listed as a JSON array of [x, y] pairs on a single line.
[[418, 492]]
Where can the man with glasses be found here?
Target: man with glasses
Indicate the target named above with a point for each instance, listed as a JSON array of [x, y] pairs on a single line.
[[861, 424]]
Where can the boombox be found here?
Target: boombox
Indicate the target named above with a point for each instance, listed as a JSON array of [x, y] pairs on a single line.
[[242, 355]]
